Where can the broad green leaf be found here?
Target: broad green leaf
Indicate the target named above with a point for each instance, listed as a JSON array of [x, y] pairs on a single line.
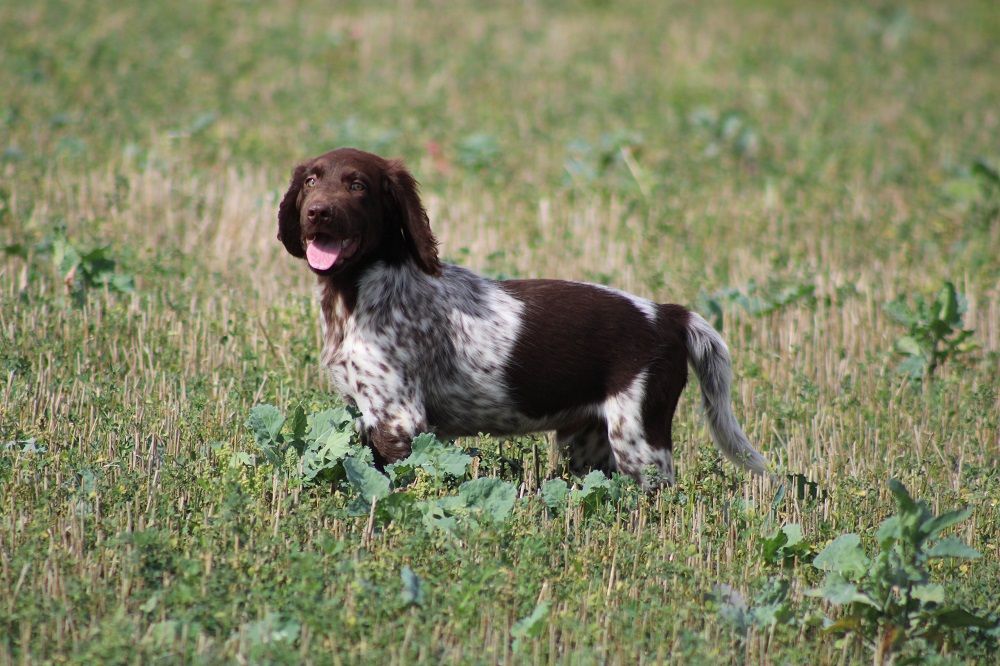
[[938, 524], [530, 626], [770, 614], [794, 533], [65, 256], [334, 446], [594, 481], [265, 423], [436, 457], [412, 593], [890, 530], [400, 473], [909, 346], [900, 312], [437, 514], [241, 458], [494, 497], [554, 493], [121, 282], [844, 556], [297, 424], [163, 633], [772, 545], [902, 495], [947, 305], [595, 491], [732, 606], [986, 171], [959, 617], [325, 453], [454, 462], [953, 547], [269, 630], [914, 367], [782, 544], [399, 507], [368, 481], [150, 605], [838, 591], [321, 424], [774, 590], [928, 593]]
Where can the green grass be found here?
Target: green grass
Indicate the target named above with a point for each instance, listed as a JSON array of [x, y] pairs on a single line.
[[678, 150]]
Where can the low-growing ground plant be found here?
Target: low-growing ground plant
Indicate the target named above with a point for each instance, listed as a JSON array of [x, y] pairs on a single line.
[[325, 446], [786, 546], [935, 331], [891, 599], [80, 266], [595, 490], [756, 299]]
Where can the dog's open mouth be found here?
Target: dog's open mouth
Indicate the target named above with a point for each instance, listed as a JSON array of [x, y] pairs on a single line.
[[323, 252]]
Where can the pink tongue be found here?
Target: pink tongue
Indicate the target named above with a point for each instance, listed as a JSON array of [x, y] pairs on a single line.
[[322, 254]]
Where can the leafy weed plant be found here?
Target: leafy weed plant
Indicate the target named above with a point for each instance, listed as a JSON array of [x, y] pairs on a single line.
[[325, 446], [935, 331], [891, 598]]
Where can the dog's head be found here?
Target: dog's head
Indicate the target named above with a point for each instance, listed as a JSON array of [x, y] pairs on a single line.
[[348, 208]]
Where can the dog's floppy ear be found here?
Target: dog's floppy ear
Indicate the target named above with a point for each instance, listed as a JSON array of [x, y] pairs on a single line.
[[411, 217], [289, 231]]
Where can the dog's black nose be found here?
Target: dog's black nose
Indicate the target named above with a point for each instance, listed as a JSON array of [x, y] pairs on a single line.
[[317, 213]]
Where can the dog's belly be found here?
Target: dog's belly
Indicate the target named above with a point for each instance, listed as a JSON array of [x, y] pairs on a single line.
[[468, 415]]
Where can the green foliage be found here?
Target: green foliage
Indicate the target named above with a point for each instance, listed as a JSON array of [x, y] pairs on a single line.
[[729, 132], [756, 299], [435, 458], [412, 593], [370, 484], [317, 443], [489, 497], [769, 606], [81, 267], [612, 162], [324, 446], [594, 492], [555, 493], [479, 151], [785, 545], [890, 598], [84, 269], [530, 626], [934, 331]]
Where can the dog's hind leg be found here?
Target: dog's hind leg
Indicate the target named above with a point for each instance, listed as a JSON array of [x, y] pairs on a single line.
[[639, 435]]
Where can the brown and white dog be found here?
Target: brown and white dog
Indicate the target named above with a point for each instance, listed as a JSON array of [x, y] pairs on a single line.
[[418, 345]]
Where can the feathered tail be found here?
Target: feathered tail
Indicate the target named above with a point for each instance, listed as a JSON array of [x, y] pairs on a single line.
[[709, 356]]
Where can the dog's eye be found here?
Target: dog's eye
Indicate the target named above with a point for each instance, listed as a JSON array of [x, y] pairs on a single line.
[[357, 186], [310, 181]]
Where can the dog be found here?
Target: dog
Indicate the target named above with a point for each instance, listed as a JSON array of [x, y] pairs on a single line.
[[417, 345]]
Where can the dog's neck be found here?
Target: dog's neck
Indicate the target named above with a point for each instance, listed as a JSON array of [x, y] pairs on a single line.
[[338, 296]]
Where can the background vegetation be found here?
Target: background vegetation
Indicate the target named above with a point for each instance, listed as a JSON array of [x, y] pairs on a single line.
[[813, 176]]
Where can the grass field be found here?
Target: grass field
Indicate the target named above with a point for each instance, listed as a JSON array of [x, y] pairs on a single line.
[[789, 169]]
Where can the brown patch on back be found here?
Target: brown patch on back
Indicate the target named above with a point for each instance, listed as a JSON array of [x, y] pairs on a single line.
[[578, 344]]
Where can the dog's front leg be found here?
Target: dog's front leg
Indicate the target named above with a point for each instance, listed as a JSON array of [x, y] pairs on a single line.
[[389, 428], [387, 443]]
